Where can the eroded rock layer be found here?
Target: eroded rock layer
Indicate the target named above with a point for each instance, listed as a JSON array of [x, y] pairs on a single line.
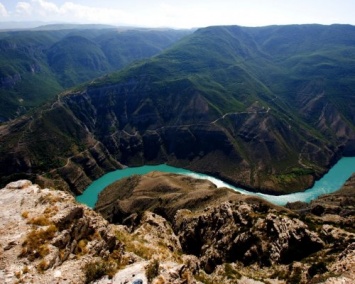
[[47, 237]]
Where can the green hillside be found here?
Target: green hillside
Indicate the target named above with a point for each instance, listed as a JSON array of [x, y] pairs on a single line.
[[270, 109], [37, 65]]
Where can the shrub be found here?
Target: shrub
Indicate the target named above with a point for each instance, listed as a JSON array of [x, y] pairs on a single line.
[[42, 266], [204, 278], [25, 270], [24, 214], [36, 242], [97, 269], [152, 270], [39, 221], [231, 273], [296, 276], [81, 247], [18, 274]]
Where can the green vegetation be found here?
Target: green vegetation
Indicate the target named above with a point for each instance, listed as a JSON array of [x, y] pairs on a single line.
[[37, 65], [152, 270], [266, 108], [231, 273], [97, 269]]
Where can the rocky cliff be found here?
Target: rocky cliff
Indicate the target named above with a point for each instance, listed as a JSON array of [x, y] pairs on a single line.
[[46, 237], [221, 101], [255, 238]]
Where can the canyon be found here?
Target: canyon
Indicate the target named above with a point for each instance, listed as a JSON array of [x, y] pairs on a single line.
[[226, 101]]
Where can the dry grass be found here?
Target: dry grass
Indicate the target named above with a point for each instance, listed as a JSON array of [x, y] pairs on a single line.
[[18, 274], [81, 248], [137, 245], [36, 242], [42, 266], [25, 269], [39, 221], [97, 269], [49, 199], [50, 211], [24, 214], [160, 280]]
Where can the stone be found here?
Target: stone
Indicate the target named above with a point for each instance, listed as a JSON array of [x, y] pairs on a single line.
[[19, 184]]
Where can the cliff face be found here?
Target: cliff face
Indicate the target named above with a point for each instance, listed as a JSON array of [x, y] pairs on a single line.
[[47, 237], [219, 226], [221, 101], [82, 136], [244, 147], [245, 232]]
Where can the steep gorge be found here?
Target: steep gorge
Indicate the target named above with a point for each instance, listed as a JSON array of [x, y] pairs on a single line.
[[218, 102]]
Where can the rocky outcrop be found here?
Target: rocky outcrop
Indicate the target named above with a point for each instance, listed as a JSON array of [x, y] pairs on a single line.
[[345, 262], [235, 237], [162, 193], [337, 209], [47, 237], [240, 231]]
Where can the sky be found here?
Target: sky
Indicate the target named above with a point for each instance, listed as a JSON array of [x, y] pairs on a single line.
[[181, 13]]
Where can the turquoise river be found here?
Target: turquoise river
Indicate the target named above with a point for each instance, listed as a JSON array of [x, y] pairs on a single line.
[[329, 183]]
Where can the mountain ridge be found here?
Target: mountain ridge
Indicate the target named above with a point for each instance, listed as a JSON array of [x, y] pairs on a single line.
[[37, 65], [212, 108]]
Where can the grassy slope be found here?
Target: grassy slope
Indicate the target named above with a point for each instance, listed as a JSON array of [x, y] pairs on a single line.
[[233, 67], [246, 82], [36, 65]]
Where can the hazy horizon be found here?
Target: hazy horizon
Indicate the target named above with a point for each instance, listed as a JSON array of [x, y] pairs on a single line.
[[184, 14]]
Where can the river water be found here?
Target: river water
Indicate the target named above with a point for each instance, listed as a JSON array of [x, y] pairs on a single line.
[[329, 183]]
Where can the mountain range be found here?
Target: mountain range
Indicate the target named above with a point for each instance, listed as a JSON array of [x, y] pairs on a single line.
[[37, 64], [269, 109]]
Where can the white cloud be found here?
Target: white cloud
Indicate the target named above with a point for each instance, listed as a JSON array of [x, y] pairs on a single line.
[[49, 11], [93, 14], [45, 8], [3, 11], [24, 8], [182, 13]]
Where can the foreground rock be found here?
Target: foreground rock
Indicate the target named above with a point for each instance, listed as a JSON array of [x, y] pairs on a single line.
[[250, 233], [236, 235], [46, 237], [337, 208]]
